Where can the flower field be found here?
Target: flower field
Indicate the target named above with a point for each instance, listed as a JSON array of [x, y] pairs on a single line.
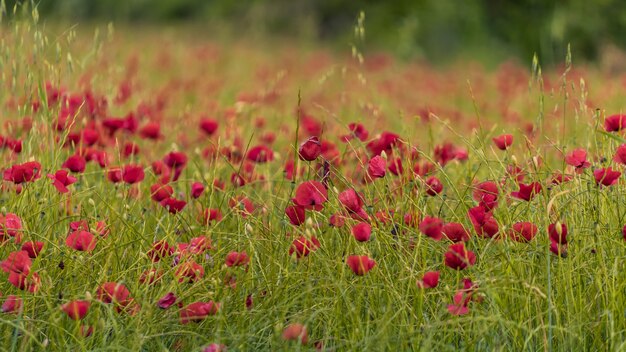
[[163, 191]]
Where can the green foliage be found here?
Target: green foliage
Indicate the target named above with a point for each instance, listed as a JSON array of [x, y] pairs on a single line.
[[434, 29]]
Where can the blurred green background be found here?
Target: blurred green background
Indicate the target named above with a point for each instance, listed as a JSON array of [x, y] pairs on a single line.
[[438, 30]]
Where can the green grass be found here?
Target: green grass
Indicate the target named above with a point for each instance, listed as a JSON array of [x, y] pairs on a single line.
[[532, 299]]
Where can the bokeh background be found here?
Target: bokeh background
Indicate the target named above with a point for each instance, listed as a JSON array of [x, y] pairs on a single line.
[[437, 30]]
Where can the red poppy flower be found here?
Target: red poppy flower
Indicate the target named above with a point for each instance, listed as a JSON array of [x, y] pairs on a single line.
[[132, 173], [76, 310], [197, 245], [337, 220], [160, 249], [486, 194], [208, 215], [504, 141], [113, 292], [430, 280], [296, 332], [432, 227], [433, 186], [237, 259], [558, 233], [81, 240], [114, 174], [459, 307], [615, 123], [311, 195], [483, 221], [527, 191], [208, 126], [12, 304], [358, 130], [606, 177], [260, 154], [21, 173], [578, 159], [377, 167], [455, 232], [61, 179], [362, 231], [10, 226], [515, 173], [360, 264], [558, 249], [160, 192], [385, 142], [197, 311], [189, 271], [89, 136], [296, 214], [445, 153], [351, 200], [175, 160], [75, 163], [86, 330], [18, 262], [30, 282], [310, 149], [558, 178], [173, 205], [458, 257], [620, 154], [242, 205], [303, 246], [197, 188], [167, 301], [214, 347], [32, 248], [151, 130], [523, 231], [130, 149]]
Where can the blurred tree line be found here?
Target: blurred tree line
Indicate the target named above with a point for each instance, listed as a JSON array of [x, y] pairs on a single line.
[[439, 30]]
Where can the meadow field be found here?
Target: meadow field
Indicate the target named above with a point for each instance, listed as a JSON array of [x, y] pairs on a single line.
[[174, 191]]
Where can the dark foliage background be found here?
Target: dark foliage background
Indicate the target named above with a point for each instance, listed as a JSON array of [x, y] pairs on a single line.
[[439, 30]]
